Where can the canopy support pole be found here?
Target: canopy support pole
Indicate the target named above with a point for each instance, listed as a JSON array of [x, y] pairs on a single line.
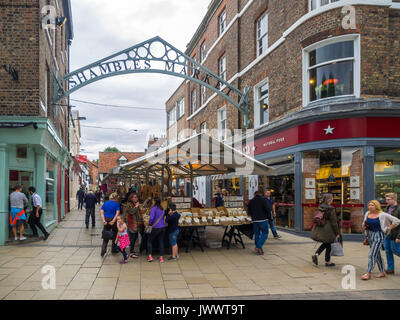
[[191, 184]]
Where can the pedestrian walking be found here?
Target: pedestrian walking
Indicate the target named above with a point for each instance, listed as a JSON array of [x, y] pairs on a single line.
[[259, 212], [327, 232], [98, 195], [172, 219], [134, 217], [18, 201], [158, 230], [268, 197], [90, 203], [392, 241], [36, 214], [80, 196], [109, 213], [122, 240], [378, 224]]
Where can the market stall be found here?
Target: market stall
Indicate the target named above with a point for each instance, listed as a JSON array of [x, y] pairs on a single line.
[[198, 156]]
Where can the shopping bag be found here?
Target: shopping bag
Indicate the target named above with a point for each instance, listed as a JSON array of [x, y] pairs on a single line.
[[337, 249]]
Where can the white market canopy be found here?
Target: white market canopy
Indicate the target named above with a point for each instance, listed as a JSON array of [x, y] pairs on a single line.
[[200, 155]]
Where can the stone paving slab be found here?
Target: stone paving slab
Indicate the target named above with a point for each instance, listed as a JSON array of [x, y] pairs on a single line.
[[284, 272]]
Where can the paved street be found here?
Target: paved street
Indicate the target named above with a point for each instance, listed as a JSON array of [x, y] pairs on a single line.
[[284, 272]]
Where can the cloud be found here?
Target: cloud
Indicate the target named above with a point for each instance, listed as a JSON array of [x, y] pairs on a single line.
[[102, 28]]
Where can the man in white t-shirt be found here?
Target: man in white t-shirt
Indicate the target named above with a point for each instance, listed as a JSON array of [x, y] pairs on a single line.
[[34, 218]]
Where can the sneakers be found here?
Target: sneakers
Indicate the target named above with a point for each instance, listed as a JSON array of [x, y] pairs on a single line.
[[315, 259], [46, 236], [171, 258], [330, 264], [389, 271], [16, 238], [124, 261], [134, 255], [150, 259], [22, 238], [161, 260], [277, 237]]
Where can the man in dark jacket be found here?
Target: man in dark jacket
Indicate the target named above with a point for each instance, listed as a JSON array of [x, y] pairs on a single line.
[[90, 200], [259, 211], [392, 241], [80, 196]]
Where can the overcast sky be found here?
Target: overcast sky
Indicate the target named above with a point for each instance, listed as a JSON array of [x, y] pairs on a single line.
[[103, 27]]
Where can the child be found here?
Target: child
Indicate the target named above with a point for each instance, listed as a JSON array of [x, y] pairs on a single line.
[[122, 240], [173, 231]]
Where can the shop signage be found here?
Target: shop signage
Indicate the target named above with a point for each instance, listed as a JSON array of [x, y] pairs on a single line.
[[81, 159], [352, 128], [15, 124]]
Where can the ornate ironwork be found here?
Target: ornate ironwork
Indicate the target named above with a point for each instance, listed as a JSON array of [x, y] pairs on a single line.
[[152, 56]]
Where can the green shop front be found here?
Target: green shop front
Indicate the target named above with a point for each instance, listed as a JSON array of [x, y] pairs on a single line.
[[32, 154]]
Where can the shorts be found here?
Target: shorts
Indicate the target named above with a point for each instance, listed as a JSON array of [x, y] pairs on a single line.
[[173, 237]]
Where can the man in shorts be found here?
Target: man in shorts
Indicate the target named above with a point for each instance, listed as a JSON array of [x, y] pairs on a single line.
[[18, 200]]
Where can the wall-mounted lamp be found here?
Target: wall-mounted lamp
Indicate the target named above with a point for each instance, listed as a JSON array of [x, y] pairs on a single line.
[[11, 71], [60, 21]]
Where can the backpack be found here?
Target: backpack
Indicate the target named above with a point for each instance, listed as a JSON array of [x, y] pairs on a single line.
[[319, 219]]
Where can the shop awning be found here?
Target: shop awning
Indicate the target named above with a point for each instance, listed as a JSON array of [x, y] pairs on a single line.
[[200, 155]]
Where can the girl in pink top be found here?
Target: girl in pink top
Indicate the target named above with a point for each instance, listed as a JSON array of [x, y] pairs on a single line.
[[122, 240]]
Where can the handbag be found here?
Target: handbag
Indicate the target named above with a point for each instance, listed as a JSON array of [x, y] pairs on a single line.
[[366, 242], [337, 249], [107, 235], [149, 229]]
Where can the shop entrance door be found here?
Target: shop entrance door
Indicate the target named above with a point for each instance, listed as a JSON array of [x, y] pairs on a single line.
[[24, 178]]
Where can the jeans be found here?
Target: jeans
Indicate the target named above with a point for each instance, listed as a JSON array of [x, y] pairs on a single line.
[[34, 221], [391, 247], [328, 248], [156, 233], [80, 204], [261, 230], [272, 226], [90, 212]]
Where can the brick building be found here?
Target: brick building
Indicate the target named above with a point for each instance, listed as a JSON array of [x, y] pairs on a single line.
[[324, 98], [94, 174], [110, 160], [33, 131]]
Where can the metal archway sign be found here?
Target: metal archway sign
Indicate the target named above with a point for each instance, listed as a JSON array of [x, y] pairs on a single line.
[[152, 56]]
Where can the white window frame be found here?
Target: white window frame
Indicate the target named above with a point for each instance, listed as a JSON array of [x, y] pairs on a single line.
[[257, 103], [171, 120], [203, 95], [222, 67], [318, 4], [203, 53], [357, 67], [222, 22], [180, 108], [222, 131], [193, 100], [259, 37]]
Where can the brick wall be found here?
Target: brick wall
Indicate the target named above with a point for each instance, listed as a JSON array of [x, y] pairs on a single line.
[[24, 45], [19, 47]]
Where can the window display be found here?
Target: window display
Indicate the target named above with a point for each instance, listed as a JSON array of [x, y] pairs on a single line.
[[387, 172], [49, 204], [339, 172]]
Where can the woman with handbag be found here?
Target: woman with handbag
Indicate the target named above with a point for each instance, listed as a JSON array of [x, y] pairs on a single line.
[[377, 223], [156, 229], [135, 222], [328, 232], [109, 213]]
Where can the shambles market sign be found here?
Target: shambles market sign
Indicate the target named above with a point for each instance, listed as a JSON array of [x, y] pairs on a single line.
[[152, 56]]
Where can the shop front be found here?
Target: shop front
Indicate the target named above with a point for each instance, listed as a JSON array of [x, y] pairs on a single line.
[[355, 159], [32, 155]]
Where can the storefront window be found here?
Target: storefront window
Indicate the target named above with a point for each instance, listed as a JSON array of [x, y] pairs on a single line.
[[339, 172], [387, 172], [281, 186], [50, 191]]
